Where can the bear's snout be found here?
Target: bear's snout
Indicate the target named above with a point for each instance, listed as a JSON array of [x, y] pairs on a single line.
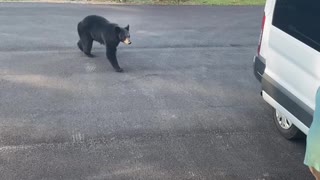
[[127, 41]]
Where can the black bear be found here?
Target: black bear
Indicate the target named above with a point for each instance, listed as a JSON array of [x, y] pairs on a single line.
[[96, 28]]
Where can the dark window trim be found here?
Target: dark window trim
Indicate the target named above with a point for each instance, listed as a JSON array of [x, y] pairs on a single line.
[[291, 30]]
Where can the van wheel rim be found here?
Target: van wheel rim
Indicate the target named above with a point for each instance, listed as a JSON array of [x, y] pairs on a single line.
[[283, 121]]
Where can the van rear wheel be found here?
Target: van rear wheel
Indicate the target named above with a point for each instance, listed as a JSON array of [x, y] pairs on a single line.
[[285, 126]]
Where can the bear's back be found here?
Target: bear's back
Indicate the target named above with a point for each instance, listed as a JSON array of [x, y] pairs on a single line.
[[94, 20]]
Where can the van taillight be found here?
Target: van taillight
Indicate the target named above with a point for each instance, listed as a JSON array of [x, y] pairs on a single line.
[[261, 33]]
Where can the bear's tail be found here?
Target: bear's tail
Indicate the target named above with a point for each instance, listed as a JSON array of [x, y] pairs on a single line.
[[79, 28]]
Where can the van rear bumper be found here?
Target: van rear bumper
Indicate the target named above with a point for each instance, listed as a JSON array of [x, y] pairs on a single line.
[[259, 66]]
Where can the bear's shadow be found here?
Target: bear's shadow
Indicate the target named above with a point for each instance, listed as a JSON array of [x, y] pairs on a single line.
[[99, 63]]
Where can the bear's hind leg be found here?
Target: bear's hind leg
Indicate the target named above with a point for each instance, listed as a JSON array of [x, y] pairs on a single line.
[[80, 45], [86, 42]]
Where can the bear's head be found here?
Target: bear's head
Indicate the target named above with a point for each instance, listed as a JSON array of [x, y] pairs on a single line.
[[123, 34]]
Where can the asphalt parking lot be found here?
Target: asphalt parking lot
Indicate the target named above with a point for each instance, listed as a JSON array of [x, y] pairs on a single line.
[[186, 107]]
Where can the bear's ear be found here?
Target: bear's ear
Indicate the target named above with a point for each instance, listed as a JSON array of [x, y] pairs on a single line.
[[117, 29], [127, 27]]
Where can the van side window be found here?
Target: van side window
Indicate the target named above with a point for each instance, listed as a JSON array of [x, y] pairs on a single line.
[[300, 19]]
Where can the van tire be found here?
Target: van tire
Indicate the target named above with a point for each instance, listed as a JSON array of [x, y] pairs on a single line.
[[292, 133]]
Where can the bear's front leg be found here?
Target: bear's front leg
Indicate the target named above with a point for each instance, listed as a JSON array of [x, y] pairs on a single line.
[[111, 55]]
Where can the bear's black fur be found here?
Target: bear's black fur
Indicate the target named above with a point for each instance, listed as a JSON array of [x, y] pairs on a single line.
[[96, 28]]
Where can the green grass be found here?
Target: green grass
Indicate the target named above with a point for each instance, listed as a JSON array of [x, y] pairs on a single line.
[[227, 2], [164, 2], [199, 2]]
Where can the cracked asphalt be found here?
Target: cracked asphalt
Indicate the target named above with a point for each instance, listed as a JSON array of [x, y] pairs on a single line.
[[186, 107]]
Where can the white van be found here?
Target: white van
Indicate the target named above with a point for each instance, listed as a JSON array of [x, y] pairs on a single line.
[[288, 62]]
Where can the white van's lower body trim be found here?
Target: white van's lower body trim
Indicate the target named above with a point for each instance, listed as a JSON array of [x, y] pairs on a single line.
[[286, 113], [280, 98]]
